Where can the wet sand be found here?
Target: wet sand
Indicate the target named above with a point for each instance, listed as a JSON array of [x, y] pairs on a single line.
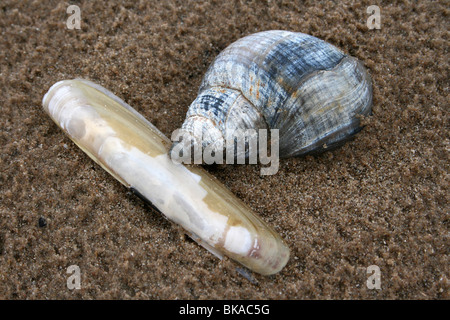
[[381, 199]]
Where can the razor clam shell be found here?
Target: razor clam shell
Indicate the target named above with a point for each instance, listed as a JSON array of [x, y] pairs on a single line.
[[305, 87], [136, 153]]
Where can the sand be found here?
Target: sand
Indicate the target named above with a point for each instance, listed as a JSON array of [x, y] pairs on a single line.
[[381, 199]]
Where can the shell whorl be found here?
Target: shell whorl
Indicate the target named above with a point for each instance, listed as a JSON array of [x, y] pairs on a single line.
[[305, 87]]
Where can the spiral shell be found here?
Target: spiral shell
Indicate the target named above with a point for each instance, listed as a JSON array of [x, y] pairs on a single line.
[[136, 153], [309, 90]]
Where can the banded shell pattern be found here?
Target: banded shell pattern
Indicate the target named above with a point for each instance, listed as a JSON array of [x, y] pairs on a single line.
[[305, 87], [136, 153]]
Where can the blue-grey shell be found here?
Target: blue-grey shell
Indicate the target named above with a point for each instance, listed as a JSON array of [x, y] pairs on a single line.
[[305, 87]]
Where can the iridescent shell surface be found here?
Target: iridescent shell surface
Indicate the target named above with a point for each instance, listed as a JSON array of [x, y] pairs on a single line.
[[136, 153], [309, 90]]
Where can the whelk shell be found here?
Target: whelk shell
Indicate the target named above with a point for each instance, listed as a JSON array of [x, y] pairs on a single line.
[[309, 90], [135, 152]]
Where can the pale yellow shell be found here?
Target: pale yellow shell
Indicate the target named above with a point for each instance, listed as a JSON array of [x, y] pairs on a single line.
[[136, 153]]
